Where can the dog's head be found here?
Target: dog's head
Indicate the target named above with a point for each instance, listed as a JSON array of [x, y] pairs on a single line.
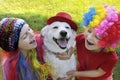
[[58, 36]]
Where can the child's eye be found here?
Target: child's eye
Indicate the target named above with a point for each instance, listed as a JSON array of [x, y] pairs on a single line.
[[97, 37], [29, 29], [25, 36], [89, 30]]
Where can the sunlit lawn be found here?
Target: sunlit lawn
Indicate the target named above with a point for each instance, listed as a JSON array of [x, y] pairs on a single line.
[[36, 12]]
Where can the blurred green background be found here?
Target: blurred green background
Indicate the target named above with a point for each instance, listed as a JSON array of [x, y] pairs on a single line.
[[36, 12]]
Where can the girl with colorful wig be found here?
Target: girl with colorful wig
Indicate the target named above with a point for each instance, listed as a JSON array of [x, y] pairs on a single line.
[[96, 48], [22, 60]]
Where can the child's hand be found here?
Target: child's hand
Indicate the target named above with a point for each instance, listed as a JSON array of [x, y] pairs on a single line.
[[71, 73], [66, 55], [65, 78]]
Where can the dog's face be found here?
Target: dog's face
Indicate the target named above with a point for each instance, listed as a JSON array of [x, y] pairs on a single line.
[[58, 36]]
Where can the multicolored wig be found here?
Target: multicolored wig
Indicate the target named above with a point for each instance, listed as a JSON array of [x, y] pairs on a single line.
[[15, 65], [105, 20]]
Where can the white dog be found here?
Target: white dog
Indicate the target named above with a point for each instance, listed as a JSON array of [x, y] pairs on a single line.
[[58, 38]]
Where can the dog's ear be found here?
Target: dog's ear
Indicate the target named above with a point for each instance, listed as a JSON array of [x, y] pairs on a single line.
[[44, 30]]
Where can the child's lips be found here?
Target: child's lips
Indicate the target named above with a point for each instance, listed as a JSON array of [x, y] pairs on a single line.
[[89, 43]]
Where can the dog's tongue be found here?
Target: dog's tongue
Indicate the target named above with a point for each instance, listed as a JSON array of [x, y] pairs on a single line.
[[62, 42]]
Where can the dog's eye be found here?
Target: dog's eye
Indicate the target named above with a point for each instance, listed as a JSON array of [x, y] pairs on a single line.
[[67, 27], [55, 27]]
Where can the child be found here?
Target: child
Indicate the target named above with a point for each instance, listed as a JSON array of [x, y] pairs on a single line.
[[96, 48], [19, 45]]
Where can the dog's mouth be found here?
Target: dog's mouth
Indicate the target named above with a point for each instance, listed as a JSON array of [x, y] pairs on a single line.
[[62, 42]]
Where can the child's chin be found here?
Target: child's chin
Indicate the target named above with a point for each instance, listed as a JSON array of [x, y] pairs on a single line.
[[89, 47]]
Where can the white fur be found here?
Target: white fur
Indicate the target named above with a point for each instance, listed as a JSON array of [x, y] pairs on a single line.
[[60, 66]]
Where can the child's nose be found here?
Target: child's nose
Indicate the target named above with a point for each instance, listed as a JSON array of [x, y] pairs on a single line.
[[90, 36]]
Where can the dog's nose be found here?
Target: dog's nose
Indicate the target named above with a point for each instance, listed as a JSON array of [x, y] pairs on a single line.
[[63, 33]]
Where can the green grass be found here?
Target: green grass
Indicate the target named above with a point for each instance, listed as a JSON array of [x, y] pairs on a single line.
[[36, 12]]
